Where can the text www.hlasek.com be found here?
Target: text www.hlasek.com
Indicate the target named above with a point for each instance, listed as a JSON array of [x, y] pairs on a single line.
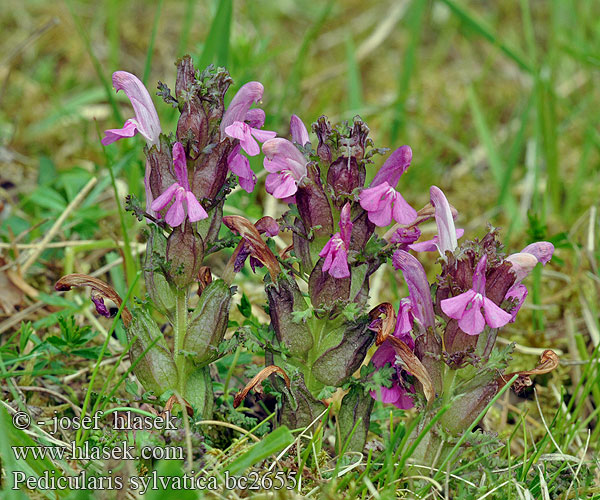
[[120, 451]]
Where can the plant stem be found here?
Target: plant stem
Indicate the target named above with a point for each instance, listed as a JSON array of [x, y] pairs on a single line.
[[180, 327]]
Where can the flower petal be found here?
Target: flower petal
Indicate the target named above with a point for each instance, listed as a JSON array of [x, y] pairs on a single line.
[[237, 110], [180, 165], [263, 135], [542, 250], [129, 129], [394, 167], [163, 200], [403, 213], [455, 307], [371, 197], [176, 214], [495, 316], [444, 221], [298, 131], [472, 321], [145, 112], [195, 211]]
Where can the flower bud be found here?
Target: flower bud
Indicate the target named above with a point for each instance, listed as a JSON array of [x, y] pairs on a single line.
[[338, 363], [156, 370], [324, 289], [322, 128], [355, 409], [299, 407], [284, 298], [192, 128], [159, 290], [185, 78], [344, 175], [313, 204], [184, 253], [210, 171], [208, 323]]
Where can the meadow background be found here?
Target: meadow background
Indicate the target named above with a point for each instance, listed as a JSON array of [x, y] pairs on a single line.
[[498, 101]]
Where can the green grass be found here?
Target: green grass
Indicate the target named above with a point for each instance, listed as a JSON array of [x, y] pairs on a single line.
[[498, 102]]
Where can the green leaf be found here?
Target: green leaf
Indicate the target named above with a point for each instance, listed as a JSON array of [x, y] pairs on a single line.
[[216, 47], [271, 444]]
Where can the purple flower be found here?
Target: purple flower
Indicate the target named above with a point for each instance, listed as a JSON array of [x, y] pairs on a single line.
[[335, 250], [466, 307], [433, 244], [394, 167], [416, 280], [397, 394], [287, 167], [239, 107], [146, 119], [181, 192], [522, 264], [240, 166], [247, 135], [405, 236], [298, 131], [383, 203], [444, 220]]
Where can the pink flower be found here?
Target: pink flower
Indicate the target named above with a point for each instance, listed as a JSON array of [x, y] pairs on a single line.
[[335, 250], [421, 306], [383, 203], [146, 119], [394, 167], [433, 244], [466, 307], [397, 394], [181, 192], [298, 131], [247, 135], [240, 166], [523, 263], [287, 167], [239, 107]]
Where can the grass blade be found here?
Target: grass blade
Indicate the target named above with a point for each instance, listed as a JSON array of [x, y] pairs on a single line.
[[216, 47]]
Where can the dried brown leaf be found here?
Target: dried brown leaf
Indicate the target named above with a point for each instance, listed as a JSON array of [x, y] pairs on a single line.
[[258, 378]]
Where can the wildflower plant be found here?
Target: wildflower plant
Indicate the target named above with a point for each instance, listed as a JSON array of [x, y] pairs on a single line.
[[438, 347], [188, 176]]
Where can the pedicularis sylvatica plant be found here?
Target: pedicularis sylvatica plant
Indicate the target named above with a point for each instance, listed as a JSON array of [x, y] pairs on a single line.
[[435, 349]]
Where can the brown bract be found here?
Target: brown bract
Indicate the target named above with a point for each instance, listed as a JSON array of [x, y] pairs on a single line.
[[384, 327], [258, 378], [258, 247], [98, 288], [413, 365], [549, 360]]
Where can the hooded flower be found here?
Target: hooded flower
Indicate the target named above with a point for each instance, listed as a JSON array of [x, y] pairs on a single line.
[[466, 307], [287, 167], [145, 122], [238, 113], [146, 119], [383, 203], [298, 131], [181, 192], [522, 264], [394, 167], [418, 286], [335, 250]]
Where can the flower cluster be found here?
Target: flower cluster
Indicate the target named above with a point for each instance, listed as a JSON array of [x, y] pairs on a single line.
[[436, 347]]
